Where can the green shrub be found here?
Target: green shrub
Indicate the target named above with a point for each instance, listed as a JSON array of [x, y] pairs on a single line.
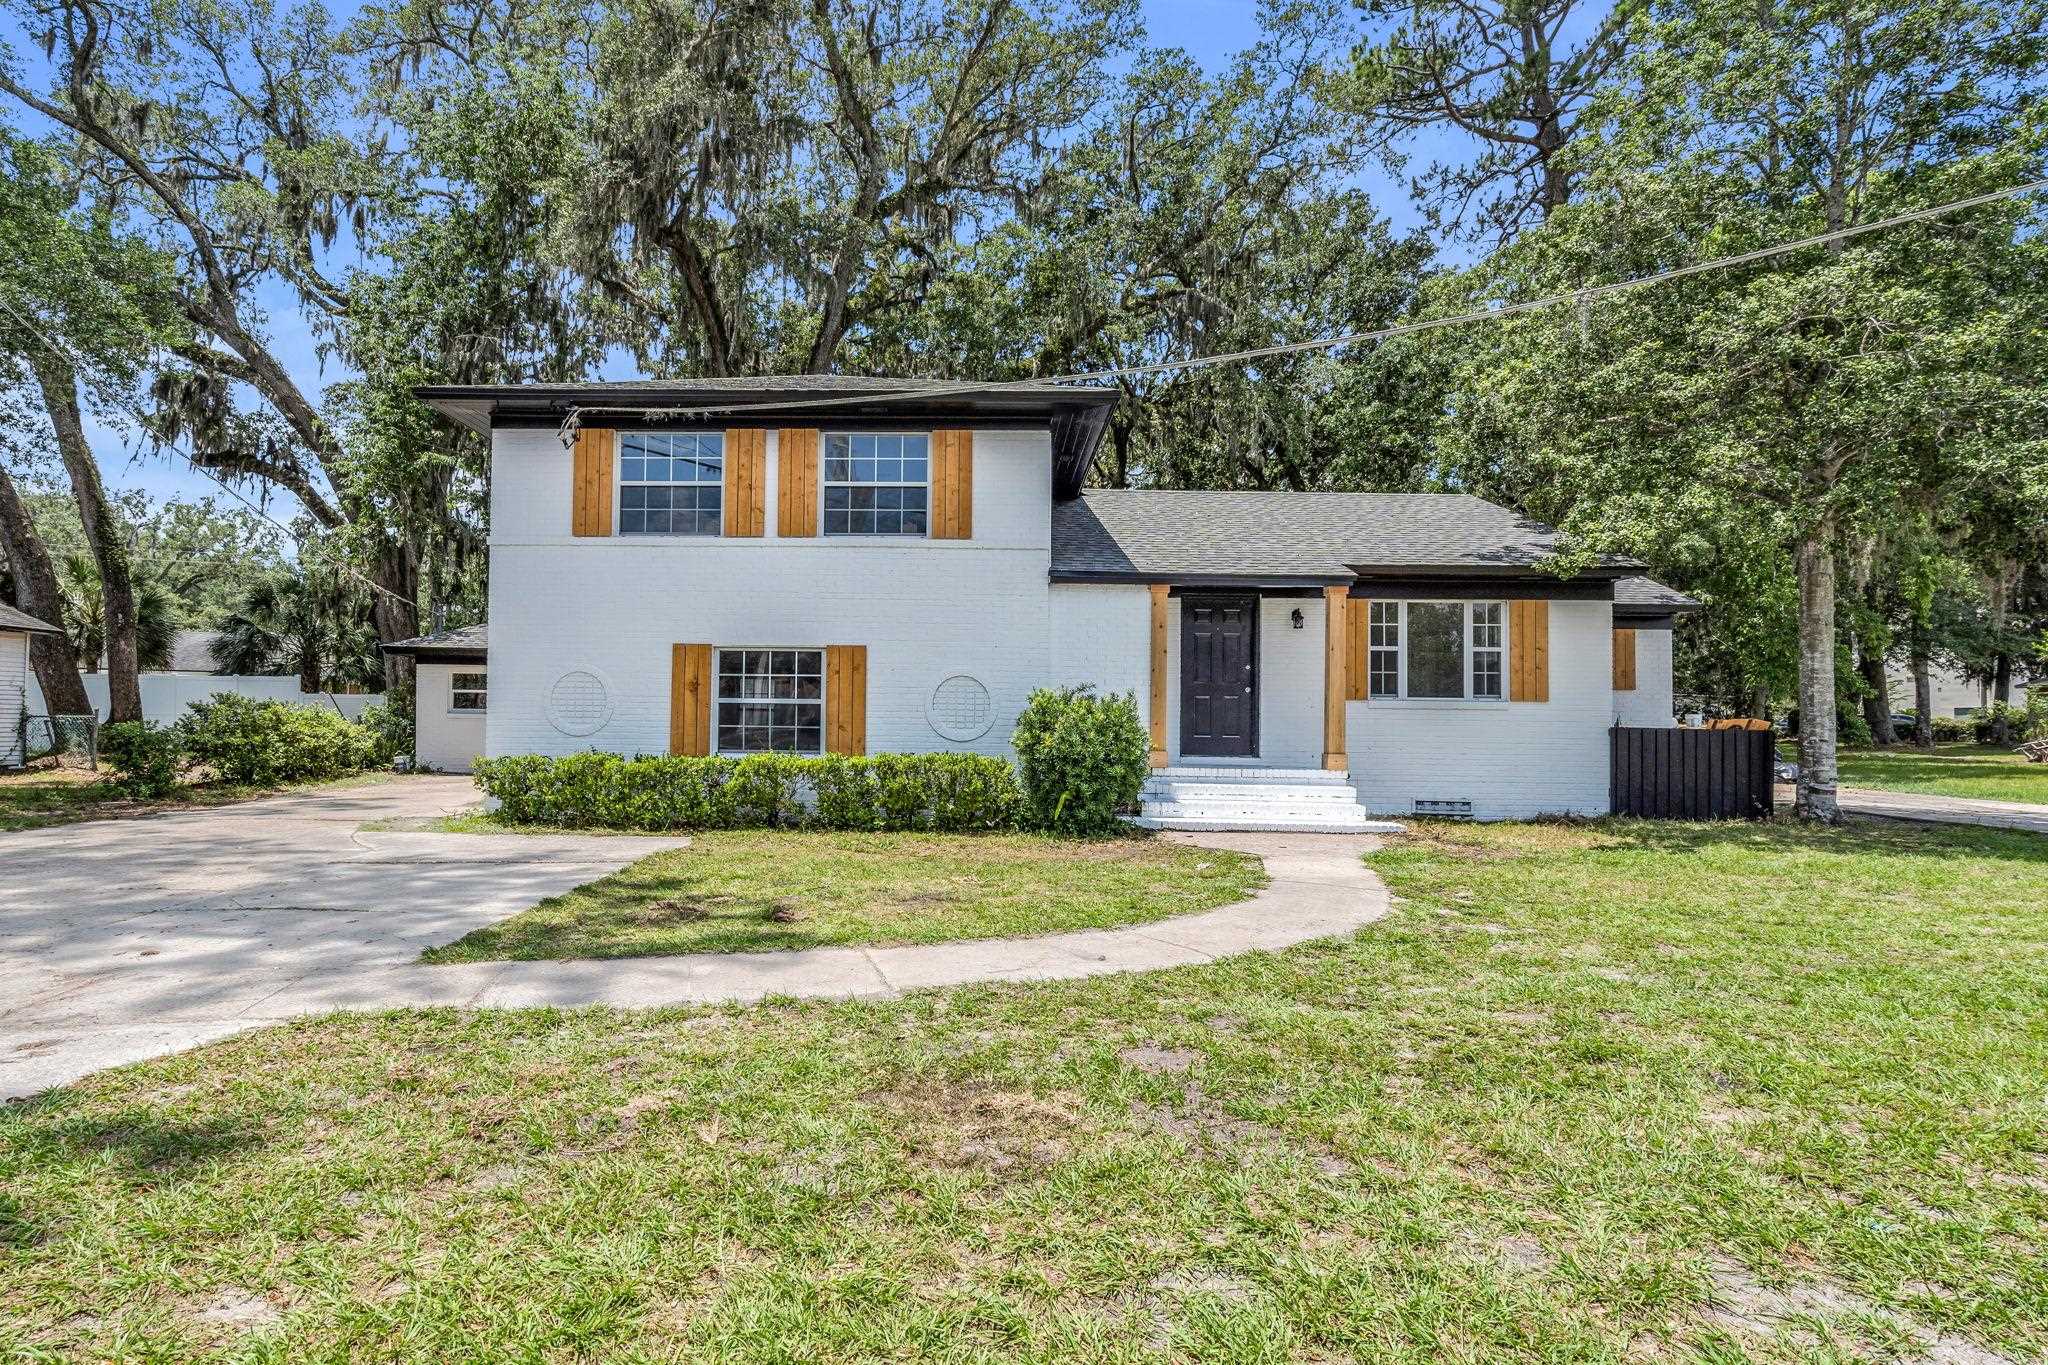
[[390, 724], [886, 792], [264, 742], [2021, 723], [1081, 758], [145, 757], [1951, 729]]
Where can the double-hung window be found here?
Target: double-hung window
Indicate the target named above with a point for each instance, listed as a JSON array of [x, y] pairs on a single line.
[[771, 701], [877, 485], [1454, 651], [671, 483], [468, 692]]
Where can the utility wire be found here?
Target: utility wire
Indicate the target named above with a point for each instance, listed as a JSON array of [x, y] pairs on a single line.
[[79, 363], [1582, 297]]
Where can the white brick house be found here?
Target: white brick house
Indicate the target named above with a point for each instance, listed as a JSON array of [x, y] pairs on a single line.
[[826, 564]]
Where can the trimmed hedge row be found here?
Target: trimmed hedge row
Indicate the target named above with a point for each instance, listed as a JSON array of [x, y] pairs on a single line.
[[952, 792]]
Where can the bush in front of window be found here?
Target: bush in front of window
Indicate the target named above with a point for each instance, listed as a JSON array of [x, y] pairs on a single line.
[[145, 757], [261, 742], [888, 792], [1082, 759]]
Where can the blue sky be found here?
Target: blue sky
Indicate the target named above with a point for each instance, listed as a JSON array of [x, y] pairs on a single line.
[[1211, 30]]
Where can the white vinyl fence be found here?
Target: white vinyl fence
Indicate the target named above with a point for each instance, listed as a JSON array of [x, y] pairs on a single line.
[[165, 696]]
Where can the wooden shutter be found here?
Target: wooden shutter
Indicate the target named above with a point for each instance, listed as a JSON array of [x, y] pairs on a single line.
[[1624, 660], [796, 492], [846, 699], [746, 481], [1357, 621], [689, 699], [952, 495], [1156, 708], [590, 498], [1529, 650]]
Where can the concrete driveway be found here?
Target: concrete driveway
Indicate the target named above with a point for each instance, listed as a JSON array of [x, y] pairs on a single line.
[[125, 939]]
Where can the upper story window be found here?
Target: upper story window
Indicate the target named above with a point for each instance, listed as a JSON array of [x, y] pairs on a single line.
[[671, 483], [1437, 650], [877, 485]]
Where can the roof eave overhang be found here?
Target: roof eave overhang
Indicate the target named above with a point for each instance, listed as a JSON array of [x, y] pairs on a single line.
[[478, 408], [437, 654], [1247, 582], [1611, 569]]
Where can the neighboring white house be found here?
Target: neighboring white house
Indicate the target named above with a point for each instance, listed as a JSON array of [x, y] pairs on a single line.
[[826, 564], [15, 679], [1954, 694]]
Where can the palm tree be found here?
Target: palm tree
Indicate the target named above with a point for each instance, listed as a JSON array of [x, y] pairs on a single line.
[[309, 623], [85, 616]]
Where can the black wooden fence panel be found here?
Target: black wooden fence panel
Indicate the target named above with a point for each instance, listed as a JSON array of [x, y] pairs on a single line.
[[1668, 773]]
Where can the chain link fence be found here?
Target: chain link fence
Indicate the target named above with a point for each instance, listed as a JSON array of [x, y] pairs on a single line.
[[72, 741]]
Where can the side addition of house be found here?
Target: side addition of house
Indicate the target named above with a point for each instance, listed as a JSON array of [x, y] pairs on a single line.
[[820, 564]]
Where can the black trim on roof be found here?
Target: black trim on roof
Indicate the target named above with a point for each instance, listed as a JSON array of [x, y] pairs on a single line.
[[462, 645]]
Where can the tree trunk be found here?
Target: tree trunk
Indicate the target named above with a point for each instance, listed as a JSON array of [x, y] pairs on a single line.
[[1816, 792], [1923, 698], [2001, 698], [35, 592], [309, 670], [1760, 702], [102, 534], [1877, 695]]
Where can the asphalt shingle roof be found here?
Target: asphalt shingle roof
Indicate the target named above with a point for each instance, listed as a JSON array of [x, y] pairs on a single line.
[[462, 639], [10, 619], [1290, 535], [1646, 594]]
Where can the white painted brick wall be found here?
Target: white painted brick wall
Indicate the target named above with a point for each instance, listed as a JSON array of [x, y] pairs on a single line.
[[926, 609], [1101, 636], [448, 740], [1511, 760], [1650, 703], [13, 694]]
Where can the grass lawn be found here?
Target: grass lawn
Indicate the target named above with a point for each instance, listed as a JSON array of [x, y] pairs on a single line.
[[1984, 771], [1591, 1093], [62, 796], [747, 891]]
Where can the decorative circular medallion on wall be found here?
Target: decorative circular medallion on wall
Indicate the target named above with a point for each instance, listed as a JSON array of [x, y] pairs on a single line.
[[579, 704], [959, 709]]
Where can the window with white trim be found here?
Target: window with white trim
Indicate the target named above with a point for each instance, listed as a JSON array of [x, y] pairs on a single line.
[[671, 483], [468, 692], [1437, 651], [877, 484], [771, 701]]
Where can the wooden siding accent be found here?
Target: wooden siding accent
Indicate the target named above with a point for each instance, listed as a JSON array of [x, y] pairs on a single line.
[[796, 474], [1160, 593], [590, 497], [689, 700], [1529, 649], [1336, 756], [1357, 624], [746, 481], [846, 699], [952, 492], [1624, 660]]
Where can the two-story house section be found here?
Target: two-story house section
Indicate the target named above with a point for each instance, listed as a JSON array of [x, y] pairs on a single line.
[[818, 564]]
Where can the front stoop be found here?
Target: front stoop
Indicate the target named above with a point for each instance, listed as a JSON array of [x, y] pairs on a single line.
[[1255, 799]]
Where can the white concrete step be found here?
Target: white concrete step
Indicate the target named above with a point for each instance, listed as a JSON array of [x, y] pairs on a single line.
[[1329, 792], [1245, 772], [1277, 810], [1262, 825]]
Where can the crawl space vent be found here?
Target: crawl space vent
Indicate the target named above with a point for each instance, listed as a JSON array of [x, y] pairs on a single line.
[[1449, 810]]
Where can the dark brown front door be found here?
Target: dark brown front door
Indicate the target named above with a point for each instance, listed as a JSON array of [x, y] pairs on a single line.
[[1219, 676]]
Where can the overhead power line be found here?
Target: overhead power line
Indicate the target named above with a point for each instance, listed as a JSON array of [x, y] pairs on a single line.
[[1585, 295]]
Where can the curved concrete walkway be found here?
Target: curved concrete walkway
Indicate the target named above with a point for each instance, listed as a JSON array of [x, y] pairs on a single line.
[[127, 939]]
